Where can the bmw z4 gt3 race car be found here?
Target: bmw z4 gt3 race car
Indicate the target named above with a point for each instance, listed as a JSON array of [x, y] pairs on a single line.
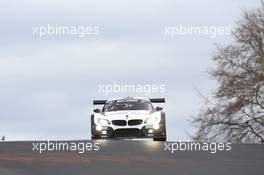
[[127, 118]]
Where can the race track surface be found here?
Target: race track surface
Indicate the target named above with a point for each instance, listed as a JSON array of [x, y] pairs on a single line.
[[130, 157]]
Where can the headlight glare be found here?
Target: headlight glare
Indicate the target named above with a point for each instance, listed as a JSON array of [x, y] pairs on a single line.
[[103, 121], [152, 120]]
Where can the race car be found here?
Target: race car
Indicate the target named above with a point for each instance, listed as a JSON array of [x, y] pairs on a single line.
[[128, 118]]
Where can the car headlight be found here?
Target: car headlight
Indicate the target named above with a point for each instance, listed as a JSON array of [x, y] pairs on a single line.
[[103, 121], [152, 120]]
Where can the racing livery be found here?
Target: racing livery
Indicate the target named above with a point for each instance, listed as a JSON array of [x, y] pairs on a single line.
[[129, 117]]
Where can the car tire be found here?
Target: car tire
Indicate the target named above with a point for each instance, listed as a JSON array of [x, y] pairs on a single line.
[[93, 137], [162, 138]]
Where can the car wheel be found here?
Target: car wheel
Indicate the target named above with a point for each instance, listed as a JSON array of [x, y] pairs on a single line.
[[92, 123], [163, 137], [95, 137]]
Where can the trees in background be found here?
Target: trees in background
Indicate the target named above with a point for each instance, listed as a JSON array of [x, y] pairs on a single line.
[[236, 110]]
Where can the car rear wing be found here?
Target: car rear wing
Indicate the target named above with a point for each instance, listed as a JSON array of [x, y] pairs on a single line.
[[157, 100], [99, 102], [152, 100]]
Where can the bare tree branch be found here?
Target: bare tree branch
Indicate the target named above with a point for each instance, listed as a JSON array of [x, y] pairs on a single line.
[[236, 111]]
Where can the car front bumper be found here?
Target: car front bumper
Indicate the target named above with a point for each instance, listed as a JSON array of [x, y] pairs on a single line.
[[142, 131]]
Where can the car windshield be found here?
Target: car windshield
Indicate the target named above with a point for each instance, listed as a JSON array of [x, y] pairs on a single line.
[[121, 105]]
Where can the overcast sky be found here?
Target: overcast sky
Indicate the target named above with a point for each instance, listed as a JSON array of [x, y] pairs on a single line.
[[47, 84]]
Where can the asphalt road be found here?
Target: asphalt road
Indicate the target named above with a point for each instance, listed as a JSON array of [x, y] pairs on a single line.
[[129, 157]]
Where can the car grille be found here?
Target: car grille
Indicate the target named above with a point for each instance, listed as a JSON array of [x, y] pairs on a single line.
[[127, 133], [134, 122], [119, 122]]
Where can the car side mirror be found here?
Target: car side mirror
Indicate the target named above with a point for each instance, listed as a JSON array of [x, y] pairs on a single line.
[[97, 110], [159, 108]]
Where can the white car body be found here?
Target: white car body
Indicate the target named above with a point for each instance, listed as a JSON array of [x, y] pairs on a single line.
[[127, 115], [132, 123]]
